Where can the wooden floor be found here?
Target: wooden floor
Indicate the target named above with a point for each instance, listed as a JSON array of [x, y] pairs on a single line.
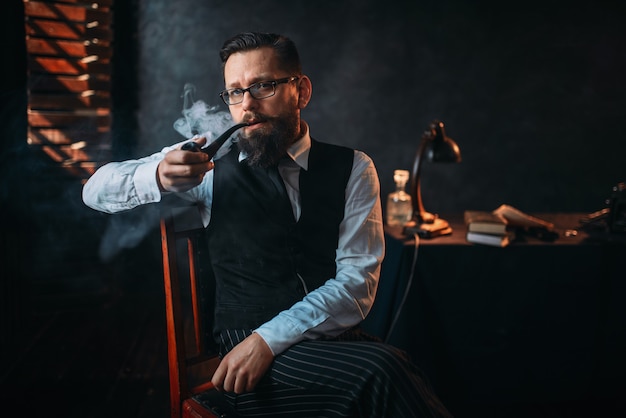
[[105, 357]]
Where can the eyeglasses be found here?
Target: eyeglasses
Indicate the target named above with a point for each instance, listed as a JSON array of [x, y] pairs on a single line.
[[260, 90]]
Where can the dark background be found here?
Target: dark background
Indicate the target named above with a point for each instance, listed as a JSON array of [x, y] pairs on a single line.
[[534, 94]]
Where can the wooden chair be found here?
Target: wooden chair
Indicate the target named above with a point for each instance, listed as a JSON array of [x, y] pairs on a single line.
[[189, 292]]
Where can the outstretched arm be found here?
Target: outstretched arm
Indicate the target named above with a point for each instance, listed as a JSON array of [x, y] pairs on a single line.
[[121, 186]]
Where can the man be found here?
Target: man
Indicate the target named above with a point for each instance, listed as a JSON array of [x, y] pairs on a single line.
[[296, 258]]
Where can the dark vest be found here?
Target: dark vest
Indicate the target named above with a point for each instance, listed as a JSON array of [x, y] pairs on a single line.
[[259, 254]]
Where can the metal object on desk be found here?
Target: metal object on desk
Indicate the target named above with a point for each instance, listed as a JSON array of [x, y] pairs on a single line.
[[617, 204], [437, 147], [611, 220]]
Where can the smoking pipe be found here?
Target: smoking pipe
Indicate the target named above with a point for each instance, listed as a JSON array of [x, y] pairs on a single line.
[[212, 148]]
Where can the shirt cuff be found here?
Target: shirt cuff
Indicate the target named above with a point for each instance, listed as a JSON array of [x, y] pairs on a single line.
[[146, 184], [279, 335]]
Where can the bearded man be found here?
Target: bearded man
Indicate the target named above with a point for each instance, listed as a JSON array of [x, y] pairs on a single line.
[[295, 236]]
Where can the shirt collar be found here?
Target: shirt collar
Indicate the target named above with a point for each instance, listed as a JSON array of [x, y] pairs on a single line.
[[299, 151]]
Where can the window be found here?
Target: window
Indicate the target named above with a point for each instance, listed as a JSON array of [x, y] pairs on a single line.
[[69, 50]]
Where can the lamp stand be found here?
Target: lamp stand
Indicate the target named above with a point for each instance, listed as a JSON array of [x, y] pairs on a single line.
[[436, 228]]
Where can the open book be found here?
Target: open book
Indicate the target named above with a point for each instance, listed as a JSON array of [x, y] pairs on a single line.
[[516, 218], [500, 227]]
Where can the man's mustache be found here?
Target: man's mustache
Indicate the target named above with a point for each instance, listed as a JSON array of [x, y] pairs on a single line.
[[251, 118]]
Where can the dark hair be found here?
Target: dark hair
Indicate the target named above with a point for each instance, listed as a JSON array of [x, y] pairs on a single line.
[[284, 48]]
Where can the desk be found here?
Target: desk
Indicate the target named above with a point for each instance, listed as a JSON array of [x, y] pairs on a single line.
[[532, 322]]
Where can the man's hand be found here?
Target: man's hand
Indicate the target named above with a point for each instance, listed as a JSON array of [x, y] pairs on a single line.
[[242, 368], [181, 170]]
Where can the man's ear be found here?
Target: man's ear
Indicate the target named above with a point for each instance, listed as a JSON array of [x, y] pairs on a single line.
[[305, 90]]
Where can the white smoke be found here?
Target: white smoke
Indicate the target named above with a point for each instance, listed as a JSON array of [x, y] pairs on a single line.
[[127, 230], [200, 119]]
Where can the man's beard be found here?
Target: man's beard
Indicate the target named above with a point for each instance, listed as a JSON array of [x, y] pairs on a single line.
[[265, 149]]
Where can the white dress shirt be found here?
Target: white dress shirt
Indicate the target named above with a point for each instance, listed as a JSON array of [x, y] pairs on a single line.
[[342, 301]]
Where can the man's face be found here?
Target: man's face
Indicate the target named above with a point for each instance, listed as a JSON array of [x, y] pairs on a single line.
[[275, 121]]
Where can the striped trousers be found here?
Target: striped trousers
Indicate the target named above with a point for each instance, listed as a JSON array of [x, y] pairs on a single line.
[[353, 375]]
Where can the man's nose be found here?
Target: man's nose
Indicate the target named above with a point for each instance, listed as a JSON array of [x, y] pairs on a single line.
[[249, 102]]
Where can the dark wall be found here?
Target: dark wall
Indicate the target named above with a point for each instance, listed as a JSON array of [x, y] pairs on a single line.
[[13, 231], [533, 94]]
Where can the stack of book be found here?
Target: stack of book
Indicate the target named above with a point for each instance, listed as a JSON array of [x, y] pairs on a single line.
[[487, 228], [497, 228]]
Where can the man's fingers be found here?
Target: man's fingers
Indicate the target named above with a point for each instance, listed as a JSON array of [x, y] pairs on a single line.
[[218, 377], [181, 170], [229, 382], [243, 367]]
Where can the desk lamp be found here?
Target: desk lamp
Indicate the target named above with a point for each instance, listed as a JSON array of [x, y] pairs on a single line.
[[439, 148]]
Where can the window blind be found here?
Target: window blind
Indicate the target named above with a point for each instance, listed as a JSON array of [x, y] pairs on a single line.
[[69, 50]]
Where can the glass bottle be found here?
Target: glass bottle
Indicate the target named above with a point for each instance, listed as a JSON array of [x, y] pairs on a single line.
[[399, 207]]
